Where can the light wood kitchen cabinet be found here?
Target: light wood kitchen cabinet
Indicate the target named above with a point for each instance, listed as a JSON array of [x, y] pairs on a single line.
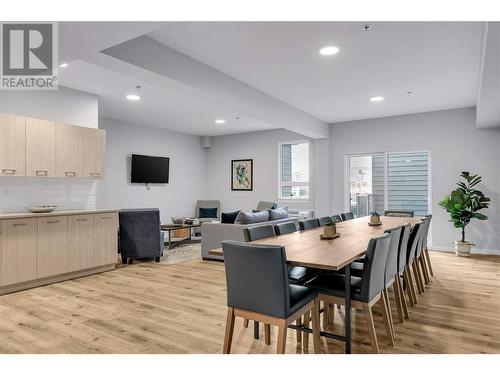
[[106, 238], [94, 153], [19, 250], [81, 242], [12, 145], [40, 148], [52, 246], [69, 151]]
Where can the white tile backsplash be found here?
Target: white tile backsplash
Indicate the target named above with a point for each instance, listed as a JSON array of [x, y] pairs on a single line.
[[16, 193]]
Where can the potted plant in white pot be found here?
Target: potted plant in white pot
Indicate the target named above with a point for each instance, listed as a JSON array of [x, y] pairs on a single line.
[[463, 205]]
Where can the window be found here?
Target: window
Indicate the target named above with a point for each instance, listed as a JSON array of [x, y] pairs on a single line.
[[294, 170], [391, 180]]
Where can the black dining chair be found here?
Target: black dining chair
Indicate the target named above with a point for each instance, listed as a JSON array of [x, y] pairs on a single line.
[[259, 232], [413, 243], [399, 213], [324, 220], [366, 291], [391, 272], [337, 218], [347, 216], [258, 288], [285, 228], [426, 251], [308, 224], [402, 251]]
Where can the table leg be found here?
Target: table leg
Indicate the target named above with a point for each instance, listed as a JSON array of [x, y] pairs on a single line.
[[348, 309], [255, 330]]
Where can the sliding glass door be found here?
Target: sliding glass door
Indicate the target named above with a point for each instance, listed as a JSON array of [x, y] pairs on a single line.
[[391, 180]]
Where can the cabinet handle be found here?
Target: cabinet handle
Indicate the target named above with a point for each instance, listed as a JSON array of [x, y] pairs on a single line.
[[8, 171], [81, 219], [52, 221], [70, 174], [41, 173], [106, 218], [19, 224], [95, 174]]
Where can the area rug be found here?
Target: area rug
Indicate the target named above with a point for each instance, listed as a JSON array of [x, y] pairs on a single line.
[[181, 254]]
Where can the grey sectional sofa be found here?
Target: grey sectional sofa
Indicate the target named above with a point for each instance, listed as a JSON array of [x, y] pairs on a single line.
[[212, 234]]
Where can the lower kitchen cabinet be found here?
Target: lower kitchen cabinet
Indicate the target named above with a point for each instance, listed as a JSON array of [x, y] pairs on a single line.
[[19, 251]]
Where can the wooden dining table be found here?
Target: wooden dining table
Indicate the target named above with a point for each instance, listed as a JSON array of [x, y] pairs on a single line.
[[307, 249]]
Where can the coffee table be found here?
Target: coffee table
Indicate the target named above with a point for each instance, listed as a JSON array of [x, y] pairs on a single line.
[[173, 227]]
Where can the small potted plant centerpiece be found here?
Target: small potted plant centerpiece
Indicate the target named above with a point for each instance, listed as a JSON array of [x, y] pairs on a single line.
[[374, 218], [462, 204], [330, 229]]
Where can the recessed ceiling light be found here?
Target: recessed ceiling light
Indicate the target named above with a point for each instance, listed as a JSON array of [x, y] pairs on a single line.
[[133, 97], [220, 122], [376, 98], [329, 50], [64, 65]]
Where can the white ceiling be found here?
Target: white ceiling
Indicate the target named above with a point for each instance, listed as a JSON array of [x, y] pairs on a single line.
[[438, 62]]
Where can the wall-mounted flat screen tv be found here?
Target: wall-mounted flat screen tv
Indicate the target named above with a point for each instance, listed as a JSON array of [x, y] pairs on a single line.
[[149, 169]]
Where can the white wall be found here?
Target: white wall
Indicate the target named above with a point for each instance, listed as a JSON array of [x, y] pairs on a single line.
[[455, 144], [65, 105], [187, 169], [262, 147]]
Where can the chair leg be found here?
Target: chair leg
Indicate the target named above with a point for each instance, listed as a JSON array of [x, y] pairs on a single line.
[[402, 298], [424, 269], [397, 298], [299, 333], [281, 346], [386, 313], [371, 328], [228, 337], [331, 315], [245, 323], [416, 274], [305, 335], [420, 274], [428, 259], [267, 334], [411, 285], [326, 307], [316, 326]]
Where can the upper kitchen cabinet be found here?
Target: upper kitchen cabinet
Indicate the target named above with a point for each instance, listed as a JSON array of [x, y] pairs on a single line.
[[12, 145], [40, 148], [69, 151], [94, 153]]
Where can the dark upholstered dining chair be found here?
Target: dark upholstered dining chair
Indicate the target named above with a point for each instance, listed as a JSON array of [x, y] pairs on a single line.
[[347, 216], [411, 252], [424, 245], [337, 218], [285, 228], [259, 232], [308, 224], [366, 291], [258, 288]]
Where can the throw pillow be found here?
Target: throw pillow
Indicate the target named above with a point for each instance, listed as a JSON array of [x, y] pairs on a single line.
[[229, 217], [252, 217], [279, 213], [208, 213]]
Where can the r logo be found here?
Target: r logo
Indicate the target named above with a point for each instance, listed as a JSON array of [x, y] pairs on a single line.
[[27, 49]]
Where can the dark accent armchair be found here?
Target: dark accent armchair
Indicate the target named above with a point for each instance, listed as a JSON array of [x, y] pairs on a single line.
[[140, 234]]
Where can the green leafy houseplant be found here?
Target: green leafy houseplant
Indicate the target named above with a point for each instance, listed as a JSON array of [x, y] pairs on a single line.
[[464, 202]]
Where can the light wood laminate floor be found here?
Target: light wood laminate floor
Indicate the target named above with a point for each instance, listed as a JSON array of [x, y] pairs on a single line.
[[158, 308]]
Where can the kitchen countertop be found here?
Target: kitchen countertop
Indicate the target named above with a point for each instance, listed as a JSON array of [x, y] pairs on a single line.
[[20, 215]]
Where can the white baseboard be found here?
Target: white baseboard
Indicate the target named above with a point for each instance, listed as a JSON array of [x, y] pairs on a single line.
[[473, 251]]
